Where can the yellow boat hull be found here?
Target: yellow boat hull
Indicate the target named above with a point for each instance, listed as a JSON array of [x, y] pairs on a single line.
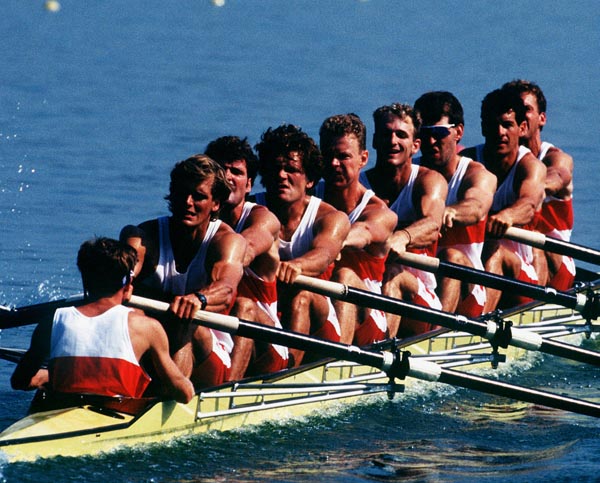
[[89, 430]]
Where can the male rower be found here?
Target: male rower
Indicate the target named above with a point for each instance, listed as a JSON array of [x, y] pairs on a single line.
[[312, 231], [96, 348], [417, 195], [519, 195], [471, 190], [362, 262], [260, 228], [193, 261], [556, 216]]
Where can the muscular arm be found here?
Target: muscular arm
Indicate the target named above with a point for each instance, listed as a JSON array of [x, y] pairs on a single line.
[[478, 187], [430, 194], [374, 226], [262, 229], [531, 176], [29, 373], [330, 230], [559, 174], [148, 335], [225, 258]]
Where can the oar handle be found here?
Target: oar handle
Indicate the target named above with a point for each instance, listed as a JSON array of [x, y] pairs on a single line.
[[548, 243]]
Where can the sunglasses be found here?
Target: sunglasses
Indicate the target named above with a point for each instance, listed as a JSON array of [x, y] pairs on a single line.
[[436, 132]]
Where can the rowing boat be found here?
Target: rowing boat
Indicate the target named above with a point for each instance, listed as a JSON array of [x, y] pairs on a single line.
[[89, 425]]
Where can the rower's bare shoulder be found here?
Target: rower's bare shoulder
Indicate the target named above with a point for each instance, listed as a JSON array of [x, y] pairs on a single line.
[[263, 217], [430, 181], [378, 211]]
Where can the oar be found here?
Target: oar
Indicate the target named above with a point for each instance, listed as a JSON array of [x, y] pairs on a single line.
[[587, 304], [394, 364], [32, 314], [550, 244], [490, 330]]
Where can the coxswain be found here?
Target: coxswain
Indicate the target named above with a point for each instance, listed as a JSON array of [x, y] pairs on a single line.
[[96, 348]]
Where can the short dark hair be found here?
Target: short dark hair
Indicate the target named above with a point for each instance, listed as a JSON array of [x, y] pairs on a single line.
[[523, 86], [105, 265], [343, 125], [194, 170], [285, 139], [501, 101], [399, 110], [232, 148], [434, 105]]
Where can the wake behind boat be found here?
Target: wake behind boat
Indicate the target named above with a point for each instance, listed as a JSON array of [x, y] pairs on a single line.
[[89, 425]]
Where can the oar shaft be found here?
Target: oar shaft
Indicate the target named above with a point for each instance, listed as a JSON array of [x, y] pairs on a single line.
[[577, 302], [518, 337], [32, 314], [554, 245], [498, 388], [389, 362]]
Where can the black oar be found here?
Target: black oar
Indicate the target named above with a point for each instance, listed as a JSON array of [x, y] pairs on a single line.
[[587, 304], [32, 314], [550, 244], [490, 330], [394, 364]]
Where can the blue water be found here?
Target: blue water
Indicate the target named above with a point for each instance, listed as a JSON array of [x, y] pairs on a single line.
[[100, 99]]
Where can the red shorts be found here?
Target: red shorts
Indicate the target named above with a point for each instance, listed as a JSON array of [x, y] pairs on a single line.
[[269, 361], [469, 307], [210, 372], [368, 332], [425, 298], [509, 300], [565, 277], [328, 332]]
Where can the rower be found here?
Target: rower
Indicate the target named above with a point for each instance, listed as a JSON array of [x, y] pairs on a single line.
[[96, 348], [362, 261], [556, 216], [193, 261], [312, 231], [519, 195], [417, 195], [471, 190], [258, 287]]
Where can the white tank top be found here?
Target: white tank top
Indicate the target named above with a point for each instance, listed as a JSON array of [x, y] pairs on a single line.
[[166, 277], [302, 238]]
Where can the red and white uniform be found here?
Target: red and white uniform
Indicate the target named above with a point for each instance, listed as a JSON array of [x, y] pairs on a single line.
[[369, 269], [467, 239], [169, 280], [556, 220], [94, 355], [297, 246], [264, 294], [404, 207], [506, 195]]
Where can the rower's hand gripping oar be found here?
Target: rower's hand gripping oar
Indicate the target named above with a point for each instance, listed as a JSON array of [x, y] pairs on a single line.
[[550, 244], [587, 304], [490, 330], [32, 314], [396, 365]]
